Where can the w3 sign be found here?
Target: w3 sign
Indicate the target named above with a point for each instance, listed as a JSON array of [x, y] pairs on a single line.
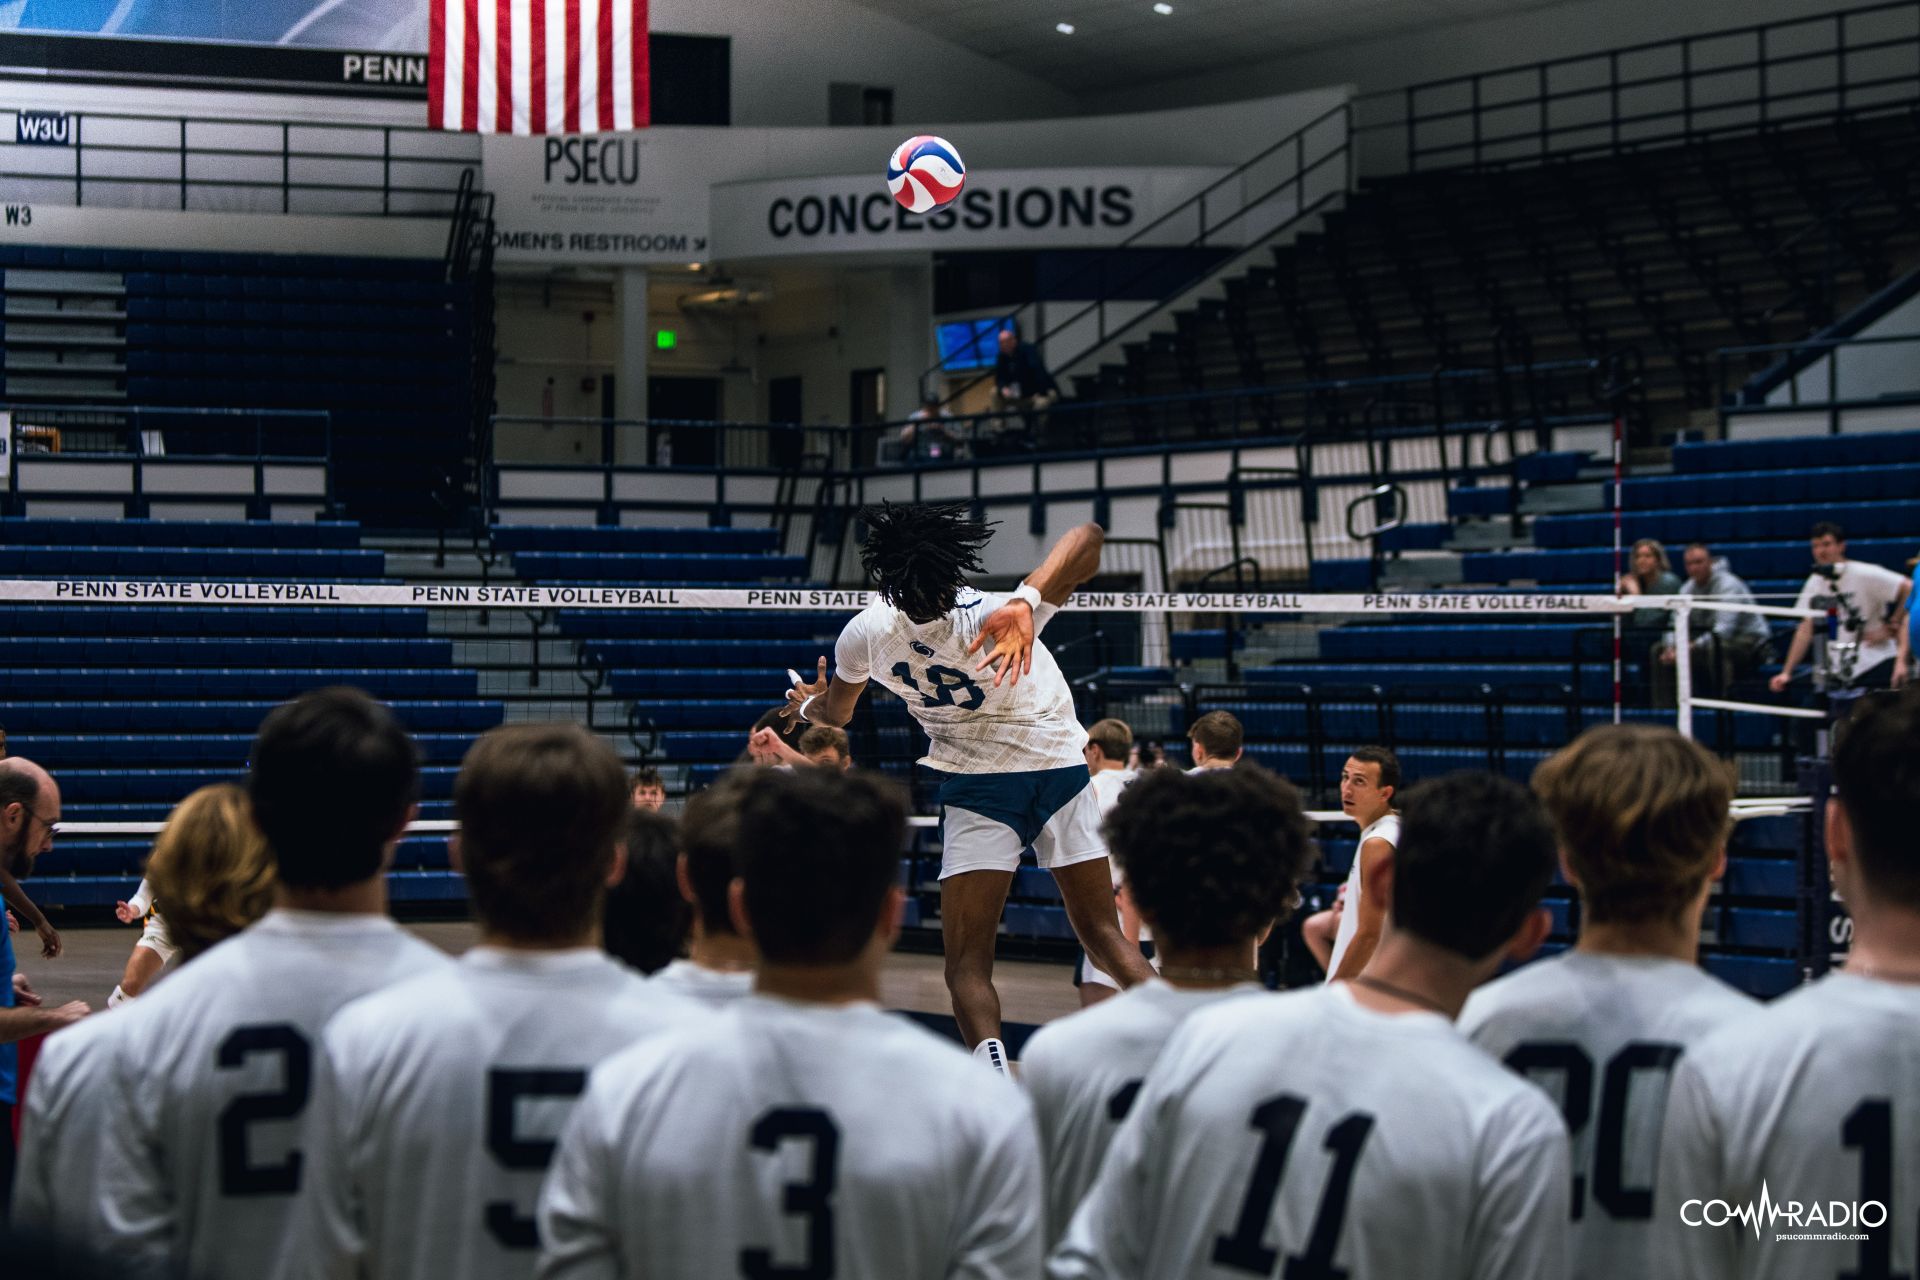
[[43, 129]]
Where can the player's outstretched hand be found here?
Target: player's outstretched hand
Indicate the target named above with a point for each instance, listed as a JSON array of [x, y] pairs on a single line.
[[23, 993], [72, 1011], [1010, 628], [125, 913], [49, 940], [801, 692]]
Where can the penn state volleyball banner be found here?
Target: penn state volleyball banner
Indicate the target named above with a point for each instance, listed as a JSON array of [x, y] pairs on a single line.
[[537, 66]]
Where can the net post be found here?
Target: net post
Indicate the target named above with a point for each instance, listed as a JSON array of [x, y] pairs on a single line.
[[1619, 567], [1683, 666]]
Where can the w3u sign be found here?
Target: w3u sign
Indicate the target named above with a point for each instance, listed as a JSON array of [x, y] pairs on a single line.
[[43, 128]]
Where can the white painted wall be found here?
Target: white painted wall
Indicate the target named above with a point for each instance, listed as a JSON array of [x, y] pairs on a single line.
[[1867, 372]]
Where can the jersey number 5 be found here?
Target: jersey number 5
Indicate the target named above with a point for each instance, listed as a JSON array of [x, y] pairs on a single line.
[[812, 1199], [514, 1150], [950, 685]]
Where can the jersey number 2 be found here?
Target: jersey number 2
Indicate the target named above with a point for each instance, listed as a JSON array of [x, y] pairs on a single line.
[[949, 686], [812, 1199], [239, 1176]]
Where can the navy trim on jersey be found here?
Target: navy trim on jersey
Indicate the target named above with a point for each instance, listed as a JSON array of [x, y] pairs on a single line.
[[1025, 801]]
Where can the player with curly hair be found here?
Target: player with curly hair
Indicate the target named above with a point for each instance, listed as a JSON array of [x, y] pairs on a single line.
[[1211, 860], [1010, 749]]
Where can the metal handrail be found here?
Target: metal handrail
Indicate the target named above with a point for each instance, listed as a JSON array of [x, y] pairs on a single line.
[[1196, 202], [1625, 128], [178, 147]]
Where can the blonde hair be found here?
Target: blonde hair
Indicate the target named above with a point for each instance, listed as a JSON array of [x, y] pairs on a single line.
[[1661, 563], [1642, 817], [211, 871]]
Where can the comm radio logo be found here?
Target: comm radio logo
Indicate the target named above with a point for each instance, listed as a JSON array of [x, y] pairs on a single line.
[[1790, 1219]]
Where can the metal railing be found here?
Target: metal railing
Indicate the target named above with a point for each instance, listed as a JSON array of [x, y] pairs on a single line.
[[147, 437], [1255, 218], [123, 160], [1891, 374], [1737, 78]]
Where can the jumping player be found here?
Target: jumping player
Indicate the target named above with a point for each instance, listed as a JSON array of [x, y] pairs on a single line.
[[1011, 749]]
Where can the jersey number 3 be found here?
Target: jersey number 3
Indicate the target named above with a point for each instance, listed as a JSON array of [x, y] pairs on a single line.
[[950, 686], [811, 1199]]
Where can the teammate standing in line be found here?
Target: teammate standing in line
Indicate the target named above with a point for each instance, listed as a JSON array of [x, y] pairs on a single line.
[[718, 969], [203, 1161], [151, 953], [213, 867], [1816, 1098], [1109, 743], [1010, 749], [1368, 782], [1642, 818], [1350, 1129], [804, 1131], [1212, 858], [439, 1100]]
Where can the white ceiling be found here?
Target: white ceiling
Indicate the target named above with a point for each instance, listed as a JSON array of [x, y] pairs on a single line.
[[1120, 43]]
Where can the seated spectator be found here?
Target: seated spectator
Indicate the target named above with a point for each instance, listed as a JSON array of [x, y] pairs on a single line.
[[1649, 574], [1726, 645], [648, 791], [1216, 740], [1873, 648], [826, 746], [1021, 384], [929, 434], [646, 918]]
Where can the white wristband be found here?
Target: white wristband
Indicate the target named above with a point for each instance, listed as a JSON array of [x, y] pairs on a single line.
[[1028, 592]]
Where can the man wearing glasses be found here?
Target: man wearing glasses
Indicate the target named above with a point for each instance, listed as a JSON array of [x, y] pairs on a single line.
[[29, 808]]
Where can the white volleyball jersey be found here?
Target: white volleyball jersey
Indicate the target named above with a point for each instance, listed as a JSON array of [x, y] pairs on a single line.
[[439, 1104], [1306, 1134], [714, 988], [1601, 1034], [786, 1139], [1388, 829], [1797, 1118], [62, 1125], [1084, 1071], [973, 727], [204, 1161]]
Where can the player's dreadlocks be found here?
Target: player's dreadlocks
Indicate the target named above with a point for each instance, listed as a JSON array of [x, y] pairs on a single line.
[[918, 556]]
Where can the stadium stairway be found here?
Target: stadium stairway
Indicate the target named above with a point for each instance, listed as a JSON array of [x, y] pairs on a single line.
[[1453, 695], [1675, 250]]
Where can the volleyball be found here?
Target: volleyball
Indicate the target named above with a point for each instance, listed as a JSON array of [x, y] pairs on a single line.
[[925, 172]]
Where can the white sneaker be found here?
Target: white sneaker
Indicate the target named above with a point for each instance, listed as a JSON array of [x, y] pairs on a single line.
[[993, 1052]]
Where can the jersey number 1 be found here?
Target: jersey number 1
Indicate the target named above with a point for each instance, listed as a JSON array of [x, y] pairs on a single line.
[[949, 686]]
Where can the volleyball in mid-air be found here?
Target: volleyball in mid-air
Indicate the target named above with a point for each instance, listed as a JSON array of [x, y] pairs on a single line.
[[925, 172]]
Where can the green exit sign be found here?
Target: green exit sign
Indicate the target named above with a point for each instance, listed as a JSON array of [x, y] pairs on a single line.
[[665, 339]]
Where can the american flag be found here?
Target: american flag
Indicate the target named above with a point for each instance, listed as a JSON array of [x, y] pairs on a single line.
[[538, 66]]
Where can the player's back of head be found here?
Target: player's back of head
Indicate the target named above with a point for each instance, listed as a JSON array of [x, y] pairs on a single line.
[[1211, 858], [333, 778], [709, 841], [1113, 738], [1876, 771], [1219, 734], [211, 868], [918, 556], [1475, 854], [1642, 818], [646, 918], [541, 810], [819, 851]]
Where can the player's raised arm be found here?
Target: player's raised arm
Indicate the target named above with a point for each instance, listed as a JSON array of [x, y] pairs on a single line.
[[1072, 562], [825, 701]]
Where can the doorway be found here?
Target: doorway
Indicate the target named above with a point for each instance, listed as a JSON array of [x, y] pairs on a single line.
[[683, 400]]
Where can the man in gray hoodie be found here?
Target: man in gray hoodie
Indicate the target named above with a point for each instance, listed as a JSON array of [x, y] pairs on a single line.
[[1726, 645]]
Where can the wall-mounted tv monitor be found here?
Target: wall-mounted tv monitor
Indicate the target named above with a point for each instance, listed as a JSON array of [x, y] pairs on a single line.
[[969, 344]]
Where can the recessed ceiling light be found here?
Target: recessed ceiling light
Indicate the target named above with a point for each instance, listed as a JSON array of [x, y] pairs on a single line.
[[1163, 9], [1064, 28]]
